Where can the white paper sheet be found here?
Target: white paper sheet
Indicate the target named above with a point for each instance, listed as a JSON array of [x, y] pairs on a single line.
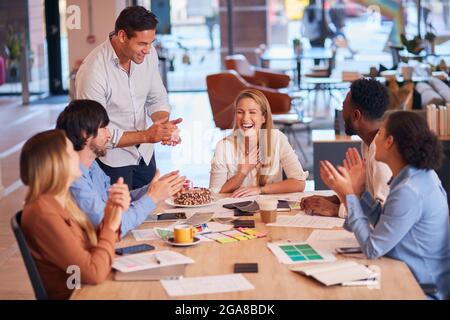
[[218, 227], [329, 240], [144, 261], [307, 221], [145, 234], [206, 285], [203, 238]]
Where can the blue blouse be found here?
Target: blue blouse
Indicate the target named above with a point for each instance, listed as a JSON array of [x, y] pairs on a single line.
[[413, 226]]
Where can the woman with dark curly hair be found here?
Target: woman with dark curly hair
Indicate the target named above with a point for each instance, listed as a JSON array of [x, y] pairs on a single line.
[[413, 225]]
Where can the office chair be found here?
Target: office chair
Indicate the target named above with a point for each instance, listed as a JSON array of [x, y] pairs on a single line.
[[255, 75], [33, 273]]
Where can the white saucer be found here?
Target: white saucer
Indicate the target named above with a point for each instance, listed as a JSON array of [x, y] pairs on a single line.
[[172, 242]]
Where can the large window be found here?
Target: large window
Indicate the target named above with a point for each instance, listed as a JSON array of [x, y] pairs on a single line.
[[190, 41]]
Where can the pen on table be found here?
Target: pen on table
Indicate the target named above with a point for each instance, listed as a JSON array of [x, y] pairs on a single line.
[[156, 258], [360, 283]]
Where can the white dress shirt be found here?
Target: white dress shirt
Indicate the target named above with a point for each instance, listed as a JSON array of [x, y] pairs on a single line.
[[225, 163], [130, 99]]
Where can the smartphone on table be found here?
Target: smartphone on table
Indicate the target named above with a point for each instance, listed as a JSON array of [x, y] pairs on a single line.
[[348, 250], [134, 249], [171, 216]]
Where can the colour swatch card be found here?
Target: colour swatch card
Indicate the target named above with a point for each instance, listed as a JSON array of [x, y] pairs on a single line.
[[299, 252]]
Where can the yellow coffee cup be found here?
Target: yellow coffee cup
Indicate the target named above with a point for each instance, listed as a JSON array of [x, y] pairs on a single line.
[[184, 233]]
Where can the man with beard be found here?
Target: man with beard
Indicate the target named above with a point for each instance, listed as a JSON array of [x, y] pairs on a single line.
[[122, 74], [85, 123], [363, 111]]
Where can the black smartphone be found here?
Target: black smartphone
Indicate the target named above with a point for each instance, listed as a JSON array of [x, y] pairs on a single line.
[[172, 216], [349, 250], [245, 267], [237, 204], [134, 249]]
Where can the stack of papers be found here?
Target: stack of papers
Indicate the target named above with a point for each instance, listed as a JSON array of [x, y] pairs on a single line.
[[329, 240], [151, 266], [144, 261], [145, 234], [307, 221], [206, 285], [341, 272]]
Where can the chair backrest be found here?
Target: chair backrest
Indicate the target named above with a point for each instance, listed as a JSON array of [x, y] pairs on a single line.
[[33, 273], [223, 88], [239, 63]]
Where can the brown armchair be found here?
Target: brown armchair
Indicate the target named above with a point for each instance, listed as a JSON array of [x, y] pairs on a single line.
[[255, 75], [224, 87]]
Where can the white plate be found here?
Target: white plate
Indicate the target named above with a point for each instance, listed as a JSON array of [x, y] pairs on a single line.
[[173, 204], [172, 242]]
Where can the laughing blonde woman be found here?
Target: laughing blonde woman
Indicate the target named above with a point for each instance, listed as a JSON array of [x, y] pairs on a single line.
[[58, 233], [252, 159]]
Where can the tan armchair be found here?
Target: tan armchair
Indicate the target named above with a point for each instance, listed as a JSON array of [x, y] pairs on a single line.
[[255, 75], [224, 87]]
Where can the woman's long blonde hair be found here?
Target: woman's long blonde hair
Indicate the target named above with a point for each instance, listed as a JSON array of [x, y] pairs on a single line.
[[263, 103], [44, 168]]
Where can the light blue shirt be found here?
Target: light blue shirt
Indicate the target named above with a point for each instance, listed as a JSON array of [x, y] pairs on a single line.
[[413, 226], [90, 192]]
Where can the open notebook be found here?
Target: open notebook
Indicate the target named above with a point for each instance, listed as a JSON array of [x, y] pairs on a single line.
[[339, 272], [150, 266]]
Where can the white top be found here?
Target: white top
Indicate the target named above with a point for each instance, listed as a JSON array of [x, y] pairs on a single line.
[[127, 98], [224, 165], [378, 175]]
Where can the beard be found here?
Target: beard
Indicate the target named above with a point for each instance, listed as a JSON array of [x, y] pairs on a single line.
[[97, 150], [349, 130]]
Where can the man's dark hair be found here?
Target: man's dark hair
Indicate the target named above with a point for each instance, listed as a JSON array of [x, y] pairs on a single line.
[[135, 18], [418, 146], [371, 97], [81, 120]]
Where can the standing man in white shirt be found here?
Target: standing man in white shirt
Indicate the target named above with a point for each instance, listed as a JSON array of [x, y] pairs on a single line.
[[363, 110], [123, 75]]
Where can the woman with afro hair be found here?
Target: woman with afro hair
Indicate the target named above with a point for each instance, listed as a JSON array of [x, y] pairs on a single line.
[[413, 225]]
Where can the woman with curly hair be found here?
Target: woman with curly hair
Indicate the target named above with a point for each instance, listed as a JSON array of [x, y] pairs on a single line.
[[413, 225]]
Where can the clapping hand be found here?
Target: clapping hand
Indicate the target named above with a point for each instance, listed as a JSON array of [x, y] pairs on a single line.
[[251, 157], [338, 180], [175, 135], [357, 170], [166, 186], [118, 202], [162, 131]]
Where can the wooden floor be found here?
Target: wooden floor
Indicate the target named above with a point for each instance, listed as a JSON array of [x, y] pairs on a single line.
[[18, 123]]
